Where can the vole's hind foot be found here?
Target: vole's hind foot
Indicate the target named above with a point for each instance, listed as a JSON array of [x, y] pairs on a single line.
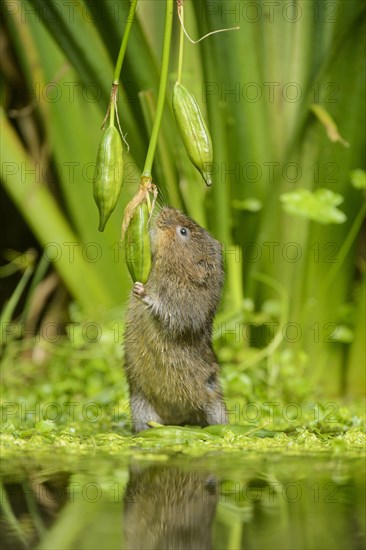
[[216, 413], [142, 412]]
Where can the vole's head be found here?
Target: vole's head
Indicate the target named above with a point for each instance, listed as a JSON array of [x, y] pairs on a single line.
[[184, 247]]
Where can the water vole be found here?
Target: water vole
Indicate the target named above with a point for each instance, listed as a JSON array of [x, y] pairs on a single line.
[[170, 364]]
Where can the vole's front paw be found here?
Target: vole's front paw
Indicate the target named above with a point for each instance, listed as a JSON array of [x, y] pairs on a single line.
[[139, 291]]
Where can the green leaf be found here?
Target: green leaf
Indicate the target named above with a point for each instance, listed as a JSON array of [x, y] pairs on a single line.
[[272, 308], [45, 426], [319, 206], [358, 179], [343, 334], [251, 204]]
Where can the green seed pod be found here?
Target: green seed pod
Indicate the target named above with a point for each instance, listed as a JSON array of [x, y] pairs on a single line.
[[138, 246], [108, 176], [193, 131]]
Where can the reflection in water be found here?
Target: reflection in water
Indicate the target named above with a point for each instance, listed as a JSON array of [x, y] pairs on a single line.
[[29, 508], [248, 502], [168, 508]]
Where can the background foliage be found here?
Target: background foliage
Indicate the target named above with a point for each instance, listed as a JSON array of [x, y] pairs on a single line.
[[295, 285]]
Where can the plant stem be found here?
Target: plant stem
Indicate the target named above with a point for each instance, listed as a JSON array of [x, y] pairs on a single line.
[[162, 89], [346, 246], [181, 44], [285, 307], [10, 305], [121, 55], [126, 34], [167, 172], [111, 113]]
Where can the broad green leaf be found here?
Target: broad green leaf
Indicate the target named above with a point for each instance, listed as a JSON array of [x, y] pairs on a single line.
[[319, 206]]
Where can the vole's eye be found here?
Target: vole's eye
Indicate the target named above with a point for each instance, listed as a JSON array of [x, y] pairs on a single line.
[[183, 232]]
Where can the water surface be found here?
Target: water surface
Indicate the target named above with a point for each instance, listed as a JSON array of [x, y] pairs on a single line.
[[221, 501]]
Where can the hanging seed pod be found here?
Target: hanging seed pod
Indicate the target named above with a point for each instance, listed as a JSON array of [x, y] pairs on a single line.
[[108, 176], [137, 244], [193, 131]]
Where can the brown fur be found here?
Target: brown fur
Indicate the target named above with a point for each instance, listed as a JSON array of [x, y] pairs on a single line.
[[170, 364]]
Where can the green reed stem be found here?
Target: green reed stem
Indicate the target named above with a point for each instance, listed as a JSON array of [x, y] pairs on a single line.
[[121, 55], [162, 89], [181, 46]]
